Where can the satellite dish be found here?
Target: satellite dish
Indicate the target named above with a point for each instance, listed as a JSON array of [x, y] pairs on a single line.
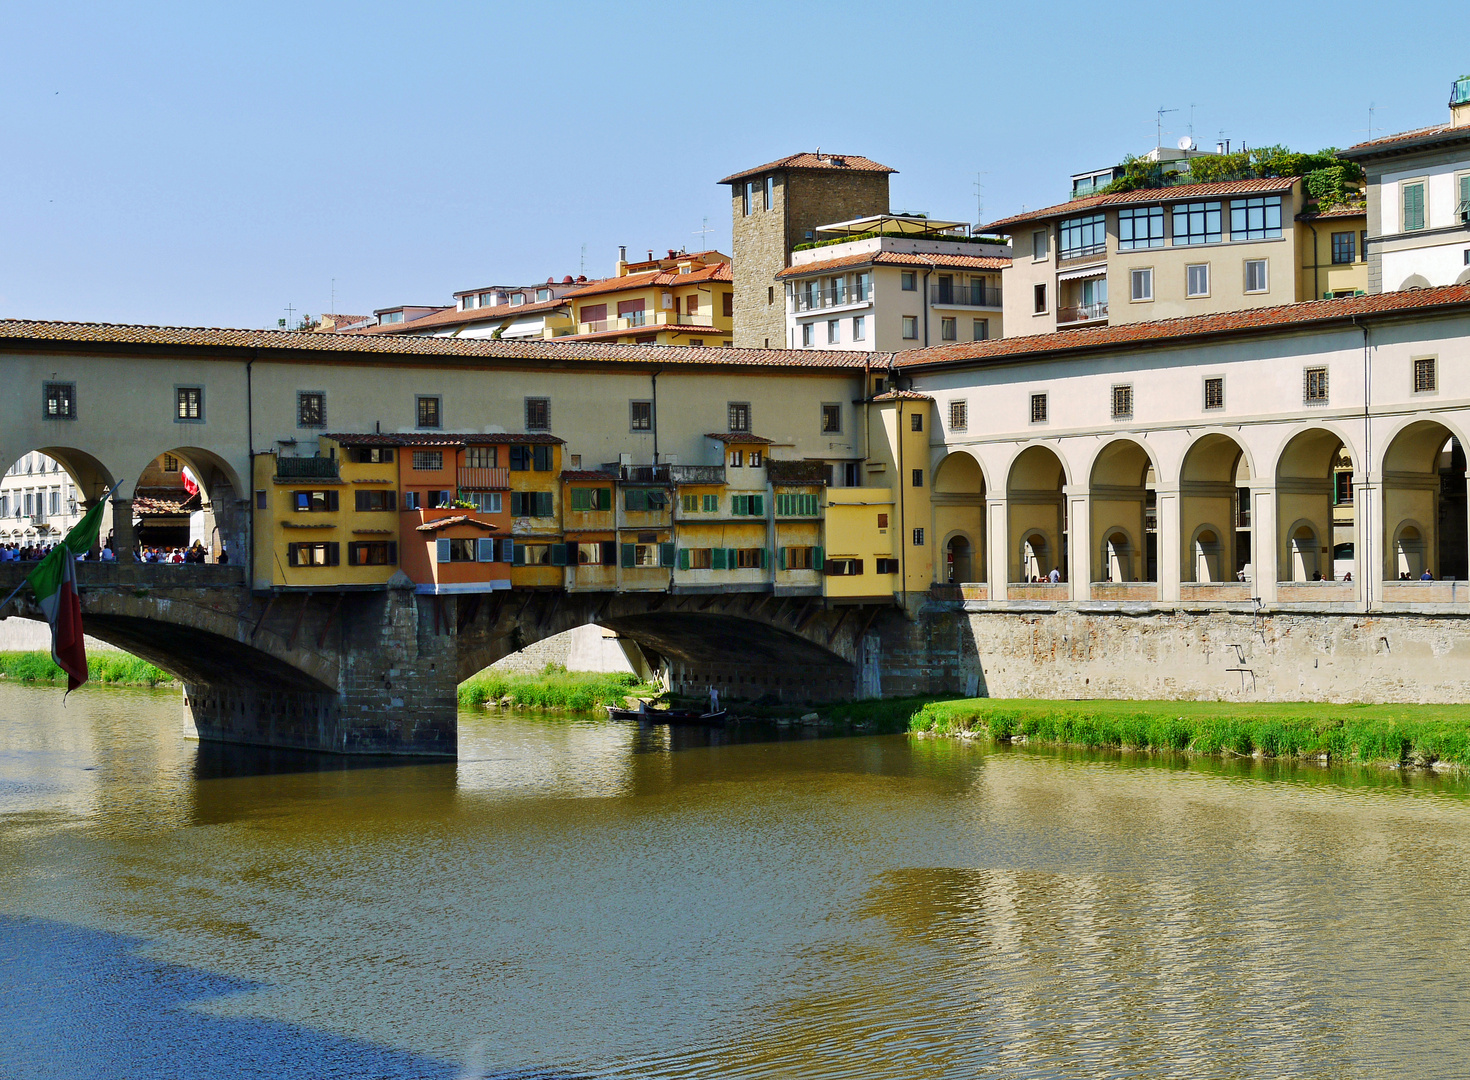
[[1186, 143]]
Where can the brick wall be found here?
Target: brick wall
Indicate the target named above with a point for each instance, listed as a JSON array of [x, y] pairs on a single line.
[[763, 240]]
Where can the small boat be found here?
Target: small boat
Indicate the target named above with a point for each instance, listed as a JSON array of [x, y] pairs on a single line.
[[668, 716]]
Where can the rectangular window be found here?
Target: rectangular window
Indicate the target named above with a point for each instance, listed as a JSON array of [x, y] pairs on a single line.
[[428, 460], [688, 504], [755, 459], [589, 554], [1197, 223], [748, 505], [428, 412], [834, 333], [530, 504], [324, 554], [372, 553], [311, 409], [959, 415], [1344, 248], [487, 502], [747, 200], [1040, 244], [1255, 219], [1413, 206], [1256, 278], [843, 568], [710, 504], [918, 478], [918, 538], [1215, 392], [1462, 201], [1197, 280], [170, 463], [1342, 487], [862, 286], [1080, 236], [807, 337], [831, 418], [908, 281], [797, 558], [538, 414], [1315, 389], [749, 558], [1038, 299], [372, 455], [377, 499], [885, 566], [1038, 408], [916, 421], [315, 502], [1123, 402], [727, 304], [691, 304], [737, 459], [1142, 281], [797, 505], [481, 457], [859, 328], [910, 328], [1426, 378], [261, 500], [60, 401], [949, 330], [737, 415], [1140, 227], [189, 401], [697, 559], [980, 330], [640, 415]]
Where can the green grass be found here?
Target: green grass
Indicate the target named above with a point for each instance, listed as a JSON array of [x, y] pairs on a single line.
[[116, 668], [554, 688], [1421, 734]]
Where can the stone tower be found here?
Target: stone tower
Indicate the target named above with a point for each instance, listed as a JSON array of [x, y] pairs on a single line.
[[779, 205]]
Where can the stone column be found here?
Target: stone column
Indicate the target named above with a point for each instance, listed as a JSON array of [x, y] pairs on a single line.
[[124, 543], [1368, 541], [1079, 541], [998, 547], [1265, 544], [1167, 508]]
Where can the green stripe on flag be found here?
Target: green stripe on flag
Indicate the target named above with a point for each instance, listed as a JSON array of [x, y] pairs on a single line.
[[46, 578]]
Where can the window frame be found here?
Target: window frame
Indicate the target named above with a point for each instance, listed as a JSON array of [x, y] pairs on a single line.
[[66, 392], [1422, 183], [949, 328], [321, 411], [1041, 397], [1352, 246], [834, 331], [1085, 230], [1323, 372], [1041, 245], [1038, 299], [1432, 363], [1204, 209], [1265, 265], [414, 465], [1120, 401], [910, 328], [831, 410], [543, 403], [980, 329], [908, 281], [859, 328], [1188, 287], [1135, 274], [180, 389], [1132, 214], [635, 406], [959, 414], [737, 417], [437, 423], [1245, 208], [1205, 382]]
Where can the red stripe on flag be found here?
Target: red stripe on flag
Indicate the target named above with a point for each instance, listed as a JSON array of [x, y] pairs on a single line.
[[68, 644]]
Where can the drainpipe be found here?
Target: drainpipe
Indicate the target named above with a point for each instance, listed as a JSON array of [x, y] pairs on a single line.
[[1316, 265], [903, 547], [926, 308], [653, 408], [250, 450], [1364, 509]]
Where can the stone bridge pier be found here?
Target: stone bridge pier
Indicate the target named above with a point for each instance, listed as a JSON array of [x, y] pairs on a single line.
[[376, 672]]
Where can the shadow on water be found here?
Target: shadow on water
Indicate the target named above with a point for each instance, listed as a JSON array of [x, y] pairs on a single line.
[[652, 738], [219, 761], [82, 1002]]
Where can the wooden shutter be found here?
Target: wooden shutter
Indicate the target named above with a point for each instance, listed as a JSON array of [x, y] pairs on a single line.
[[609, 552], [393, 552], [558, 554], [441, 553], [765, 559], [758, 506], [630, 555], [507, 551], [518, 555], [604, 498], [817, 563], [683, 558], [717, 559], [781, 558], [712, 503], [334, 552], [543, 504], [635, 499], [485, 550], [666, 554], [332, 499], [732, 559]]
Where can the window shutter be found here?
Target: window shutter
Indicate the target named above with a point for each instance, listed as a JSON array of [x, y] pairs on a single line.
[[518, 554], [717, 559], [683, 558], [392, 500], [609, 551], [666, 554], [765, 559], [630, 555], [543, 504], [781, 558], [712, 503], [558, 554], [635, 499], [484, 550], [362, 500], [604, 498], [857, 566], [507, 551], [334, 556], [441, 552], [393, 552], [732, 559], [758, 505], [332, 499]]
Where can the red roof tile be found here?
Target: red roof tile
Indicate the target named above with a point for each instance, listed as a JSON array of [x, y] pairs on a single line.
[[653, 279], [1267, 186], [738, 437], [1335, 213], [454, 317], [303, 345], [650, 329], [1433, 133], [1284, 317], [902, 395], [899, 258], [849, 163], [458, 519]]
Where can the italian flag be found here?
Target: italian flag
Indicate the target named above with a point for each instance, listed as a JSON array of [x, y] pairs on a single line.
[[54, 582]]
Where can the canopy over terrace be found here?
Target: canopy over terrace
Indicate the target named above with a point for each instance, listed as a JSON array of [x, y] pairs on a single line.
[[904, 224]]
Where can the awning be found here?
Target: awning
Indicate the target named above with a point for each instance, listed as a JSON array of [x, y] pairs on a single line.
[[1100, 270]]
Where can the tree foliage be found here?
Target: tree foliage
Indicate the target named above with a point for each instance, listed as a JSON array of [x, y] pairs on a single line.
[[1329, 181]]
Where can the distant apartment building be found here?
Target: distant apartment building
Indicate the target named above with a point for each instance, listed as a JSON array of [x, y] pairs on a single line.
[[681, 299], [889, 282], [775, 207], [492, 311], [38, 502], [1418, 230], [1155, 253]]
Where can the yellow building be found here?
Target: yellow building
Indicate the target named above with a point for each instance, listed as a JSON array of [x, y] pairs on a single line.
[[684, 299], [1334, 250], [535, 511]]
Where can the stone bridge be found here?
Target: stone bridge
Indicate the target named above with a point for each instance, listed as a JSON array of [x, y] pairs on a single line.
[[376, 672]]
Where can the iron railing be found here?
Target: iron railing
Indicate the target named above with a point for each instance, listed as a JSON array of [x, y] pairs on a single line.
[[307, 468], [1083, 313], [971, 294]]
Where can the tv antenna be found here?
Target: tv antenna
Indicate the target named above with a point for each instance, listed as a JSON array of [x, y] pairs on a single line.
[[703, 232], [334, 296], [1192, 107], [1159, 125], [582, 269], [979, 187], [290, 316]]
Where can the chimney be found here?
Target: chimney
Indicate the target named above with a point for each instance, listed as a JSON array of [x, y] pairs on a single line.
[[1460, 102], [622, 267]]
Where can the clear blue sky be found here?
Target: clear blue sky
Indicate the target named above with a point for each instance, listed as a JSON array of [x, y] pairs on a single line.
[[207, 164]]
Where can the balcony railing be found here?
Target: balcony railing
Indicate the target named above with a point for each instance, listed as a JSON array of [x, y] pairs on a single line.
[[306, 468], [473, 478], [973, 294], [813, 299], [639, 320], [1083, 313]]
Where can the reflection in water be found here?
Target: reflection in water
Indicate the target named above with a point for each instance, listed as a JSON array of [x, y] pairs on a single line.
[[579, 898]]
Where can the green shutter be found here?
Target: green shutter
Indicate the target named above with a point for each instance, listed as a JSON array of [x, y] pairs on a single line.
[[758, 505], [579, 499], [1413, 206], [544, 504], [683, 558], [558, 554], [604, 498], [732, 558], [765, 559], [717, 559], [630, 555], [518, 555], [666, 554], [817, 561], [712, 503], [635, 499]]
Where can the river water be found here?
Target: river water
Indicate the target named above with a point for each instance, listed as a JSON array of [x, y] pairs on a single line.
[[580, 899]]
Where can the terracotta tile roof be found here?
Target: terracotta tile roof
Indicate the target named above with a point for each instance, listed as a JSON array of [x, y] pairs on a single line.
[[649, 329], [738, 437], [443, 438], [587, 474], [1267, 186], [1404, 140], [454, 316], [158, 504], [458, 519], [849, 163], [1285, 317], [902, 395], [304, 346], [898, 258], [1335, 214], [653, 279]]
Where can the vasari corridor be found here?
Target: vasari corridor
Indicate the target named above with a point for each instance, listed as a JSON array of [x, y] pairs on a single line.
[[1003, 613]]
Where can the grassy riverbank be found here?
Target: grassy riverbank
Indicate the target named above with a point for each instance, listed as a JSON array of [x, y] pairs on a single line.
[[554, 688], [1407, 734], [116, 668]]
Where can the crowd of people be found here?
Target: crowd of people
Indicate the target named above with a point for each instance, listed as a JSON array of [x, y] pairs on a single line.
[[195, 553]]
